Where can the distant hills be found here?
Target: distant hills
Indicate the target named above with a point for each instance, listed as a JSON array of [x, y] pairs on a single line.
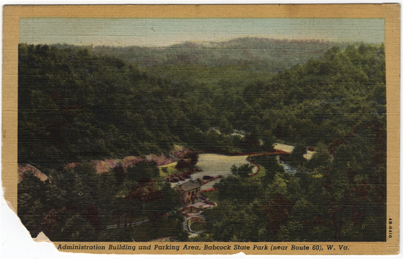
[[190, 60]]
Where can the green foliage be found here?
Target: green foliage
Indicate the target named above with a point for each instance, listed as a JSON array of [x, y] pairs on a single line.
[[163, 227], [235, 188], [234, 222], [296, 159], [198, 227], [77, 105], [142, 170], [109, 108], [31, 202], [74, 105], [338, 197], [321, 157], [232, 60], [243, 170], [271, 167], [77, 204]]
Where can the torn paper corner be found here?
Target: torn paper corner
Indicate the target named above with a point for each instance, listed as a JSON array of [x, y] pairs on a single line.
[[42, 238]]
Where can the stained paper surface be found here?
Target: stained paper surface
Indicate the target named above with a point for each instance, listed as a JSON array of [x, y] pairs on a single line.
[[201, 129]]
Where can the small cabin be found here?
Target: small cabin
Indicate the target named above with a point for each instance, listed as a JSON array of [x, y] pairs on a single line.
[[189, 192]]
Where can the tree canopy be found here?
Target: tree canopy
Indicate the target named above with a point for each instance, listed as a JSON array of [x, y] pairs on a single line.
[[76, 105]]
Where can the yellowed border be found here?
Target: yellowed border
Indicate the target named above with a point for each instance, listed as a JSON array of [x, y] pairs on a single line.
[[390, 12]]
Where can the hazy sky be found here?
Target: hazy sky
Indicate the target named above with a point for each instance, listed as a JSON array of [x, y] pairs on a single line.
[[163, 32]]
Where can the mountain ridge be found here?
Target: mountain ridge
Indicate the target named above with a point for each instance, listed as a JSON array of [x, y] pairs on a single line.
[[254, 54]]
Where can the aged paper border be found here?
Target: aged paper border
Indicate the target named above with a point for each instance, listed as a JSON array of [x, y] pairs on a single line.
[[390, 12]]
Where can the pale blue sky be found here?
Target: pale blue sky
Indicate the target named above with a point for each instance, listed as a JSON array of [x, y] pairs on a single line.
[[163, 32]]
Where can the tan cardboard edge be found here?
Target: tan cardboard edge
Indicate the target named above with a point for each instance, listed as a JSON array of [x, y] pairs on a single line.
[[390, 12]]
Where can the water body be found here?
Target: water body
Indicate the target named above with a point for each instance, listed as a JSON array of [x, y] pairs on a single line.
[[288, 168], [215, 164]]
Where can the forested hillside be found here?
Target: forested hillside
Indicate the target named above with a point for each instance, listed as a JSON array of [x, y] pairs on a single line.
[[210, 62], [336, 104], [76, 105], [73, 105]]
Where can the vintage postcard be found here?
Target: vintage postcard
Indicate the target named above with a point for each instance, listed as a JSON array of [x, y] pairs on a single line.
[[204, 129]]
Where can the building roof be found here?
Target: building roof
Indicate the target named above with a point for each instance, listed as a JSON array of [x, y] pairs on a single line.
[[190, 185]]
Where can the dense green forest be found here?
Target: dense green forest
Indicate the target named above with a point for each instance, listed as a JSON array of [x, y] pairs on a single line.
[[77, 105], [74, 105], [80, 205], [210, 62]]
